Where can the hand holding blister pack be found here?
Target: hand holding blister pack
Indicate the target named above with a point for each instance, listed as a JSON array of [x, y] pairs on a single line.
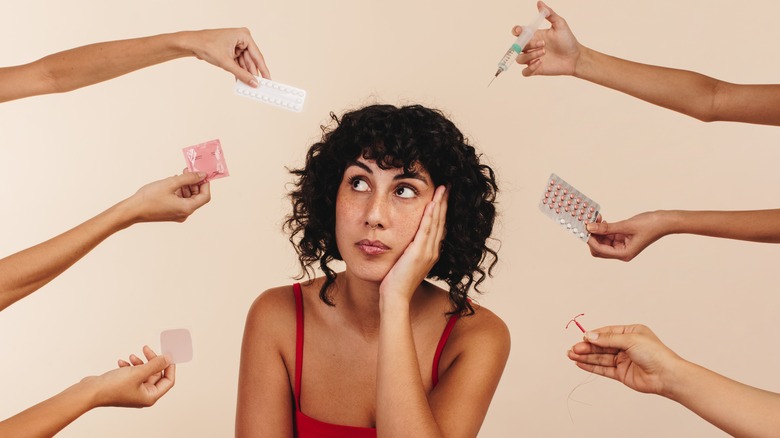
[[176, 344], [273, 93], [568, 207], [207, 158]]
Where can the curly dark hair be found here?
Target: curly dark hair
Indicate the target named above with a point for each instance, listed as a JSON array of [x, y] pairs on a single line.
[[398, 138]]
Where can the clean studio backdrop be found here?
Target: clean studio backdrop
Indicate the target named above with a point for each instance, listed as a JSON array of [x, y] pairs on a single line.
[[67, 157]]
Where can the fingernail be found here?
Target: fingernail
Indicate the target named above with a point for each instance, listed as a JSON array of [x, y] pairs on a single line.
[[201, 175], [253, 83], [590, 227], [592, 336]]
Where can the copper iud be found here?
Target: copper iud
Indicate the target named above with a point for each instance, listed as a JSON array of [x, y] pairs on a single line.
[[574, 320]]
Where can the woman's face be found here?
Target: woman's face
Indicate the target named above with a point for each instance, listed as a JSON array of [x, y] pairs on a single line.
[[377, 215]]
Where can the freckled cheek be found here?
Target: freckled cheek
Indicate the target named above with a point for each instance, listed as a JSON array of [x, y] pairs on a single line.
[[345, 207], [407, 222]]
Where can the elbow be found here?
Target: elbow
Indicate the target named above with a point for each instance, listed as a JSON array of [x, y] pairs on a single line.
[[709, 107]]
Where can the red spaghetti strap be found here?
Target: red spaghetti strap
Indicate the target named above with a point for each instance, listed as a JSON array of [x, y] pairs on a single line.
[[439, 348], [298, 342]]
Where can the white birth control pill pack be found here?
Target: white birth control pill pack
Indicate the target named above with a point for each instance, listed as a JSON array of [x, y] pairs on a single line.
[[568, 207], [273, 93]]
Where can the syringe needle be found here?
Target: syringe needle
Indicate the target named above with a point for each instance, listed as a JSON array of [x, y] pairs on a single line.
[[494, 77]]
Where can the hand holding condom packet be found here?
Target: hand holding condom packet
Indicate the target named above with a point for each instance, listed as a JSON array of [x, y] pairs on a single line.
[[207, 158]]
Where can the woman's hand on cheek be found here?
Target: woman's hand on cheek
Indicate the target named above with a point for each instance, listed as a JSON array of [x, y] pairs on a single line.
[[421, 254]]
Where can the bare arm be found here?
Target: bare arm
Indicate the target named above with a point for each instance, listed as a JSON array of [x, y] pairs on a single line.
[[264, 407], [693, 94], [634, 356], [556, 51], [231, 49], [139, 385], [458, 405], [26, 271], [625, 239]]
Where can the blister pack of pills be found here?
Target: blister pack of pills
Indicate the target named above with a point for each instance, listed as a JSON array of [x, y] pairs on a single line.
[[273, 93], [568, 207]]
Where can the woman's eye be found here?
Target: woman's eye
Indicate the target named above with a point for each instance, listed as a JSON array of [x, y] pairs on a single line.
[[405, 192], [359, 185]]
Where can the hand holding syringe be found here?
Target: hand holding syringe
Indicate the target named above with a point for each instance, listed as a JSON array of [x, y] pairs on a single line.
[[525, 36]]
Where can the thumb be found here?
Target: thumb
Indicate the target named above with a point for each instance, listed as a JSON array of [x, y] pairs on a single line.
[[241, 74], [602, 228], [187, 178], [554, 19], [608, 339], [154, 366]]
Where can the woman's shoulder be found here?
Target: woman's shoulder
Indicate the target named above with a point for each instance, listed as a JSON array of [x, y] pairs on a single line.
[[483, 330], [272, 312]]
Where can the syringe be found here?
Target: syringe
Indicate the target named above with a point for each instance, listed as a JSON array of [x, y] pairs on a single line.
[[523, 39]]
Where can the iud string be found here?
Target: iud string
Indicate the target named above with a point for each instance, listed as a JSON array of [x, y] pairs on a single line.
[[587, 380]]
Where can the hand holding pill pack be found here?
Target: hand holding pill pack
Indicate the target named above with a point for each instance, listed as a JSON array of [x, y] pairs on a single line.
[[568, 207], [273, 93]]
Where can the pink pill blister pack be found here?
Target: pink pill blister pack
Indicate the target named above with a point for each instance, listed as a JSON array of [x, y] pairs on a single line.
[[568, 207]]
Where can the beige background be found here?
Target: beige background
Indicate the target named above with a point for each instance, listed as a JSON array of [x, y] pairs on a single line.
[[68, 157]]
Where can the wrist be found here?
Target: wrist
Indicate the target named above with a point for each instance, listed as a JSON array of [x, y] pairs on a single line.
[[675, 378], [393, 304], [583, 62], [86, 393], [184, 42], [671, 221], [124, 214]]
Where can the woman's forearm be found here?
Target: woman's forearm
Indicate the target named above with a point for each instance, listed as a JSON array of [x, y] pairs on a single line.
[[26, 271], [736, 408], [402, 405], [694, 94], [755, 225], [50, 416]]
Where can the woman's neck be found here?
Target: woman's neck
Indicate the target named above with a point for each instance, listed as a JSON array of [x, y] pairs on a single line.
[[357, 302]]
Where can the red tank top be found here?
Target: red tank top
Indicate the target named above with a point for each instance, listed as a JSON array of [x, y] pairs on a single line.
[[305, 426]]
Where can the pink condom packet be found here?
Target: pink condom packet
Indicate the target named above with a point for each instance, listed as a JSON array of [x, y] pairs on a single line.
[[207, 158], [177, 344]]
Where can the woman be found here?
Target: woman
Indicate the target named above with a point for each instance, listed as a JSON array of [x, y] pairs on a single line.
[[399, 196]]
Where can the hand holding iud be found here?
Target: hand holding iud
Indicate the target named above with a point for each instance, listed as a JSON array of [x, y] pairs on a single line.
[[207, 158]]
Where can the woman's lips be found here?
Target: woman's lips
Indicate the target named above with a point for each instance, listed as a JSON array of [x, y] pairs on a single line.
[[372, 247]]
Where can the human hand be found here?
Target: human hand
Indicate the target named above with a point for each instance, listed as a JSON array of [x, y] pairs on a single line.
[[551, 52], [632, 355], [170, 199], [624, 240], [135, 384], [231, 49], [422, 253]]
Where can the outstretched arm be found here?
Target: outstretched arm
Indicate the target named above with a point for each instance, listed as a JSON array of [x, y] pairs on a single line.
[[624, 240], [556, 51], [26, 271], [634, 356], [139, 385], [231, 49]]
